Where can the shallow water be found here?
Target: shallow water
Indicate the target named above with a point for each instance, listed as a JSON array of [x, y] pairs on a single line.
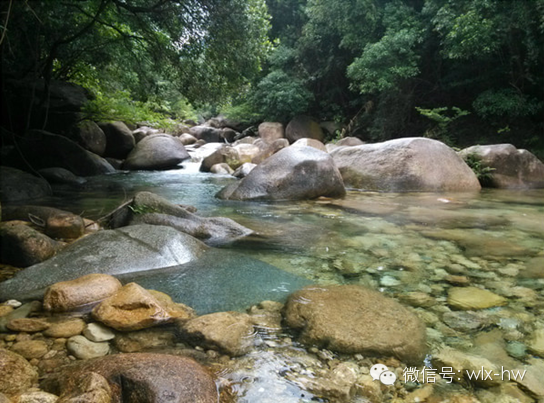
[[397, 243]]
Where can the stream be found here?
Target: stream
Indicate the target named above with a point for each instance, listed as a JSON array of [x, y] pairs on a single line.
[[394, 243]]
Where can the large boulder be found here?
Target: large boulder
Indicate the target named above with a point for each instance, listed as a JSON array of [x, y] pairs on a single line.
[[404, 165], [353, 319], [270, 149], [16, 186], [208, 134], [23, 246], [511, 168], [119, 139], [124, 250], [157, 151], [47, 150], [233, 156], [148, 208], [142, 132], [56, 223], [303, 127], [61, 175], [294, 173], [306, 142], [139, 378], [16, 374], [270, 131], [90, 136]]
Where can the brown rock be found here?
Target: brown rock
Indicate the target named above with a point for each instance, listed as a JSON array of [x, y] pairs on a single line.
[[176, 310], [303, 127], [310, 143], [270, 149], [65, 328], [270, 131], [228, 332], [468, 298], [89, 387], [30, 348], [131, 308], [28, 325], [139, 378], [23, 246], [5, 309], [35, 397], [86, 290], [16, 374], [353, 319], [146, 339]]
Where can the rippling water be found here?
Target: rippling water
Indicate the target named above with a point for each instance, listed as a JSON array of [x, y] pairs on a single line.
[[397, 243]]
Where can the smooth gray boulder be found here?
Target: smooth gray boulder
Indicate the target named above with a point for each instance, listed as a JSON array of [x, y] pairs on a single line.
[[148, 208], [412, 164], [90, 136], [61, 175], [293, 173], [511, 168], [16, 185], [119, 139], [124, 250], [156, 152], [303, 127]]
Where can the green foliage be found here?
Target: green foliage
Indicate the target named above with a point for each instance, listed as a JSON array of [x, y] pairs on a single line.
[[443, 117], [506, 102], [143, 209], [279, 96], [482, 172]]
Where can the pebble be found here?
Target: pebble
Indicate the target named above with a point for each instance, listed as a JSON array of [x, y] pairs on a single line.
[[84, 349], [29, 325], [30, 348], [65, 328], [468, 298], [98, 332], [389, 281]]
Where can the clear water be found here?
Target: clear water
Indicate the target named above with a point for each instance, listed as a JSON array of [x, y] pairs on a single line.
[[397, 243]]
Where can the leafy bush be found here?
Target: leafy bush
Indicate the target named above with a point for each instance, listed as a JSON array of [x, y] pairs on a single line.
[[505, 102], [443, 118], [482, 172]]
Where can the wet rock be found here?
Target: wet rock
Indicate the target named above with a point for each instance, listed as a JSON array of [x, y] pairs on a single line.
[[65, 328], [23, 246], [228, 332], [16, 374], [303, 127], [266, 316], [149, 208], [119, 139], [465, 365], [27, 325], [30, 348], [156, 152], [62, 176], [5, 309], [141, 378], [534, 268], [85, 349], [87, 387], [270, 131], [294, 173], [417, 299], [512, 168], [233, 156], [47, 150], [222, 168], [369, 389], [57, 223], [134, 308], [505, 392], [146, 339], [353, 319], [243, 170], [310, 143], [35, 397], [532, 381], [129, 249], [536, 343], [468, 298], [404, 165], [81, 292], [22, 312], [337, 385], [97, 332]]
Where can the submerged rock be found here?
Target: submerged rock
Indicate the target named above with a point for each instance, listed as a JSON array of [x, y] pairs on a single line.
[[124, 250], [405, 165], [16, 374], [220, 281], [353, 319], [294, 173], [141, 378], [468, 298]]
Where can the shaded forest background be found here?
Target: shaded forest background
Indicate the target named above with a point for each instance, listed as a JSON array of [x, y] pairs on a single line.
[[461, 71]]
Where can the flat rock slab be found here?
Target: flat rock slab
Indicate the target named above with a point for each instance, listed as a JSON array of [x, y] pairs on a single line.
[[220, 280], [130, 249], [353, 319]]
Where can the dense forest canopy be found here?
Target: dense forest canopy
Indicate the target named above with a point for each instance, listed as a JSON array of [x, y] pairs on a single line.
[[462, 71]]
